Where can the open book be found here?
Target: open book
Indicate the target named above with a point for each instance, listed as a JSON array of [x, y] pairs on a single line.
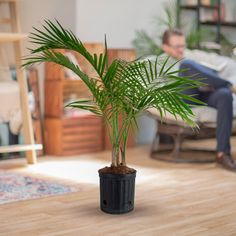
[[216, 68]]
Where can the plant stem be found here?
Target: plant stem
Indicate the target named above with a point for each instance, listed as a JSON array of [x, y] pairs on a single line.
[[115, 140], [123, 134], [113, 156], [123, 162]]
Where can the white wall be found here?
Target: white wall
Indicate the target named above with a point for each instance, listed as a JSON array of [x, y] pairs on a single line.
[[118, 19], [33, 13]]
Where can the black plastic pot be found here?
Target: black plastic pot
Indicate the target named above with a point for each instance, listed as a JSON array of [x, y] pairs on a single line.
[[117, 192]]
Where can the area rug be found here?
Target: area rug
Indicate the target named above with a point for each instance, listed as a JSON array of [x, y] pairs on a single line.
[[17, 187]]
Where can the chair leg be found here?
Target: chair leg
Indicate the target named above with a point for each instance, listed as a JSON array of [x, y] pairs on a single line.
[[155, 143], [175, 152], [172, 152], [178, 140]]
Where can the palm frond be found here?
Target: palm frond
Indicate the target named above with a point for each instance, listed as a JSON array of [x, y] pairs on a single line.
[[122, 89], [87, 105], [55, 36]]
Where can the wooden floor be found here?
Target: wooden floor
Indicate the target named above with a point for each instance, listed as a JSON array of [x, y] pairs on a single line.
[[171, 199]]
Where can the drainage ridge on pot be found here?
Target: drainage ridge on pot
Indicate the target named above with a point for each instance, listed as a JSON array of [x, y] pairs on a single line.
[[117, 192]]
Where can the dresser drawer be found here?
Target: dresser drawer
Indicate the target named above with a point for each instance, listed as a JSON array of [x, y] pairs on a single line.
[[82, 135]]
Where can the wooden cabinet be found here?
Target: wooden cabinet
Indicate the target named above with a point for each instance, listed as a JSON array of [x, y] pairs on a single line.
[[73, 135], [68, 131]]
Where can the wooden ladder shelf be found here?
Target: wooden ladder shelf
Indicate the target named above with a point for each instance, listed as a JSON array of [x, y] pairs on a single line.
[[15, 38]]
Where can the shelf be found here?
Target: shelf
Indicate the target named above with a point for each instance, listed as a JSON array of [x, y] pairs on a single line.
[[195, 7], [214, 10], [210, 45], [214, 23], [20, 148], [11, 37], [7, 1]]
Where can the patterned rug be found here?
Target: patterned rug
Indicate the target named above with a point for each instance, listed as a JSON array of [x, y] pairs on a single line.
[[17, 187]]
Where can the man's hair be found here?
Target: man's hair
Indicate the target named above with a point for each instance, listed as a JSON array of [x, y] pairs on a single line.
[[171, 32]]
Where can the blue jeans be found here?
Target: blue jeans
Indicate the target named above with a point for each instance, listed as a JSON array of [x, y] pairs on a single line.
[[219, 97]]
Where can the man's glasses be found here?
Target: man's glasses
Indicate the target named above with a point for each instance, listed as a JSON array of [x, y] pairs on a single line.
[[177, 46]]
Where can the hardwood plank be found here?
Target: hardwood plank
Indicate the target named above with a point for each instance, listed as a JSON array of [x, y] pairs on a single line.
[[171, 199]]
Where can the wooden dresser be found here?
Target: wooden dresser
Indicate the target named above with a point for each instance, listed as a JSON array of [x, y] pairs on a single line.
[[69, 131]]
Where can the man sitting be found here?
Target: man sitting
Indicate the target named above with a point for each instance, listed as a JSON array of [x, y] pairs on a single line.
[[217, 93]]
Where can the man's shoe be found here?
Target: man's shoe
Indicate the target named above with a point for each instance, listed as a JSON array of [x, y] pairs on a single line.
[[233, 89], [226, 161]]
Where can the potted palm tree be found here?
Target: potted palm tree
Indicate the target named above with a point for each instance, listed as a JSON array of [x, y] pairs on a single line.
[[120, 92]]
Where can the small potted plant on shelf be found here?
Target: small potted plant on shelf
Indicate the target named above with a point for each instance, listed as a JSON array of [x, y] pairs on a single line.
[[120, 92]]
